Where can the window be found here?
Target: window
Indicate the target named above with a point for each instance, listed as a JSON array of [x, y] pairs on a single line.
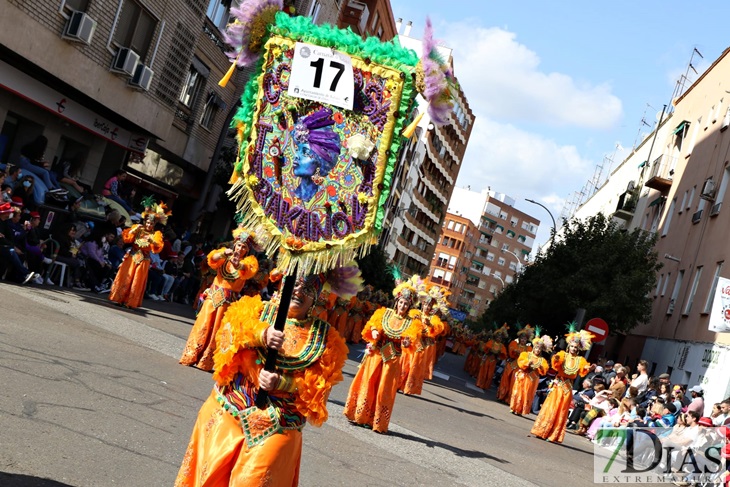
[[508, 279], [450, 225], [497, 274], [218, 13], [684, 202], [486, 271], [722, 190], [493, 288], [668, 219], [691, 197], [500, 261], [695, 132], [513, 266], [675, 292], [452, 262], [81, 5], [375, 20], [658, 285], [135, 28], [482, 284], [490, 257], [190, 87], [457, 227], [666, 282], [711, 295], [505, 247], [443, 260], [513, 221], [693, 292], [212, 106]]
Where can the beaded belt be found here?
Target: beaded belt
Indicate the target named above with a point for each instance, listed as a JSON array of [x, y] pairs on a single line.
[[220, 295], [138, 257]]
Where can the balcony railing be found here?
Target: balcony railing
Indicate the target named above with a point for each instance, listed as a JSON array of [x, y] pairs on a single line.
[[661, 173]]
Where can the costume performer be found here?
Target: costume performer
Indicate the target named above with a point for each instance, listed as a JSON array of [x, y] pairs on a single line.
[[372, 393], [550, 423], [131, 280], [514, 349], [234, 442], [233, 268], [416, 360], [531, 365], [494, 351]]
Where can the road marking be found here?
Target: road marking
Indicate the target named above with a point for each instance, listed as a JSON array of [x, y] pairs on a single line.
[[440, 375]]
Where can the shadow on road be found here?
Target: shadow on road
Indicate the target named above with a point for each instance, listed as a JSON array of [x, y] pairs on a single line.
[[437, 444], [456, 408], [19, 480]]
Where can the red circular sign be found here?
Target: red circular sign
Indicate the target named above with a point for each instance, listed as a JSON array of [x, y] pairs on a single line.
[[598, 327]]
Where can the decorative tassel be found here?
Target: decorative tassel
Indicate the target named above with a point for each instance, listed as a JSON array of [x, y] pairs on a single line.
[[227, 77], [411, 129]]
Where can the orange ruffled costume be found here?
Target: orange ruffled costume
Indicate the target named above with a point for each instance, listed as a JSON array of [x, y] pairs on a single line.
[[372, 393], [494, 352], [234, 442], [550, 423], [416, 360], [131, 280], [224, 290], [529, 369], [506, 384]]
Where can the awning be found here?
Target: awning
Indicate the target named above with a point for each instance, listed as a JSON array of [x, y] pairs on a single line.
[[680, 127], [500, 227], [657, 201], [489, 219], [510, 232], [525, 252], [643, 164]]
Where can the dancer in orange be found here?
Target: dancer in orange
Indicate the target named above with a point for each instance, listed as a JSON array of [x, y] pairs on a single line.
[[550, 423], [514, 349], [131, 280], [372, 392], [415, 360], [494, 351], [233, 441], [233, 268], [530, 366]]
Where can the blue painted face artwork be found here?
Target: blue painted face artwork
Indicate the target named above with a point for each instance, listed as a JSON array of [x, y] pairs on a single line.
[[306, 162]]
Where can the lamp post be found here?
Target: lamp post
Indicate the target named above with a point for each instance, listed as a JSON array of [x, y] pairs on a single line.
[[555, 229], [520, 265]]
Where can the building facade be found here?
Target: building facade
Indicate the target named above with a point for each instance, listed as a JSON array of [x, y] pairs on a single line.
[[364, 17], [122, 84], [678, 189], [423, 182]]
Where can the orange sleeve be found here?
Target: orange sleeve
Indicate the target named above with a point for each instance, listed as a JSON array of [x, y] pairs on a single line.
[[558, 360], [585, 367], [512, 350], [216, 258], [503, 353], [157, 244], [436, 328], [130, 233], [374, 323], [250, 267], [315, 384], [543, 367], [241, 331], [523, 361]]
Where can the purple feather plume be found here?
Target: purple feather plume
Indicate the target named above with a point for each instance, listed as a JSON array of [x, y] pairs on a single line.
[[238, 34], [438, 76]]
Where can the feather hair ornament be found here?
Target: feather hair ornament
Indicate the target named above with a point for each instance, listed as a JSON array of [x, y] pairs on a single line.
[[435, 79]]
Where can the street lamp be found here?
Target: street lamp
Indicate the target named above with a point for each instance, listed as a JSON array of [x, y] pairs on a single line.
[[520, 265], [555, 229]]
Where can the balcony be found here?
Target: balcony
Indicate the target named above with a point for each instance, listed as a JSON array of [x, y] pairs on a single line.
[[661, 173], [626, 206]]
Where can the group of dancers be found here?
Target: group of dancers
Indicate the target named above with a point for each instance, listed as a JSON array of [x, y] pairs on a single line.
[[525, 363]]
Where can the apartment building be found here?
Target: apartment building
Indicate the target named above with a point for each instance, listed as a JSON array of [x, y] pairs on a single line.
[[485, 241], [677, 191], [364, 17], [128, 84], [424, 180]]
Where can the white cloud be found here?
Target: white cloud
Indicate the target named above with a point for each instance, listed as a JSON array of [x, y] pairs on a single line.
[[502, 79]]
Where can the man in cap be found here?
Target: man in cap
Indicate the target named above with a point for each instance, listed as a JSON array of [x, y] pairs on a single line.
[[698, 403], [7, 246], [608, 371]]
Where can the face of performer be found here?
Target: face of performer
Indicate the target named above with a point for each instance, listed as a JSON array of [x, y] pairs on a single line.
[[572, 348], [402, 305], [428, 308], [306, 162], [149, 224], [537, 349], [523, 339], [240, 249], [302, 299]]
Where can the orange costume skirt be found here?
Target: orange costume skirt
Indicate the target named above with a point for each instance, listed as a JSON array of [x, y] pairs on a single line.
[[523, 391], [414, 369], [201, 346], [486, 372], [131, 281], [506, 384], [550, 423], [218, 455], [372, 392]]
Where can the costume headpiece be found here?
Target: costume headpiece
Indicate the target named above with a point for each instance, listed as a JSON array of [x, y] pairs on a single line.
[[581, 338], [246, 236], [502, 332], [428, 292], [405, 290], [545, 340], [314, 129], [155, 210], [527, 331], [435, 79]]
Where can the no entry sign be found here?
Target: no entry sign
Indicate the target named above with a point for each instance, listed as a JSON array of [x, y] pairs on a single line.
[[599, 328]]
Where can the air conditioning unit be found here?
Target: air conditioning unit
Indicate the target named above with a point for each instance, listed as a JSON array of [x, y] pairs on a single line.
[[142, 78], [716, 209], [708, 190], [79, 28], [125, 62]]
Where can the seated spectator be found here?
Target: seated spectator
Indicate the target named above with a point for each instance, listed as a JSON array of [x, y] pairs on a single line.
[[678, 398], [665, 390], [624, 413], [698, 403], [171, 270], [599, 407], [7, 193], [666, 418], [14, 173], [580, 401], [724, 418], [154, 278], [609, 371], [650, 394], [25, 190], [34, 248], [618, 383], [113, 189], [116, 253], [66, 171], [68, 248], [32, 161], [8, 255]]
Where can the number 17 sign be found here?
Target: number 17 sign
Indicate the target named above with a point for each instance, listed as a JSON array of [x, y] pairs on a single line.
[[322, 74]]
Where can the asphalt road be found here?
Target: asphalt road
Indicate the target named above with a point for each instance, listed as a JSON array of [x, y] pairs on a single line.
[[92, 395]]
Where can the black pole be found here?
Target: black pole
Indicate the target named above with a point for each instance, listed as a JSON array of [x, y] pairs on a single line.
[[279, 323], [555, 230]]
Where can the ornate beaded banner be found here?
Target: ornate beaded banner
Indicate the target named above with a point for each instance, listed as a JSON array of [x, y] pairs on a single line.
[[313, 178]]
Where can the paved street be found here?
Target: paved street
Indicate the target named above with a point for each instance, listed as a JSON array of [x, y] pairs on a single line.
[[93, 396]]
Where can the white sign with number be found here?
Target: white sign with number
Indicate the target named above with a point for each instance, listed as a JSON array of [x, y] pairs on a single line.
[[720, 312], [322, 74]]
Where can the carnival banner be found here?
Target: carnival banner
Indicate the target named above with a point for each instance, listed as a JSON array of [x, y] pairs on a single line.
[[314, 175], [720, 312]]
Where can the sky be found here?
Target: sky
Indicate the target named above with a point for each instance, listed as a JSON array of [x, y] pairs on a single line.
[[560, 88]]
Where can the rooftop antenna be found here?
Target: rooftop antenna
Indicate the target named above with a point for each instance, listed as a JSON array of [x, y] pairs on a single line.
[[643, 124], [684, 81]]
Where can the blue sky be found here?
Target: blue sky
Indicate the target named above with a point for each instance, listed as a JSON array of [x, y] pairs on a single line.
[[559, 86]]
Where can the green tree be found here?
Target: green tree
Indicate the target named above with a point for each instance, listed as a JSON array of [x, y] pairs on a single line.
[[375, 270], [594, 265]]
